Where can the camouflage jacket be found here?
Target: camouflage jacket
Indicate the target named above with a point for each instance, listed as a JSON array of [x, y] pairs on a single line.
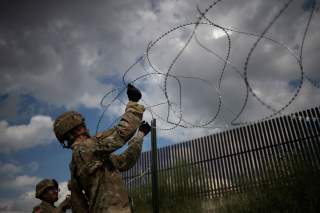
[[96, 182], [45, 207]]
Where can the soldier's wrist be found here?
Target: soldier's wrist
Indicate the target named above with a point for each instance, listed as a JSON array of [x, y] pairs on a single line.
[[135, 106], [140, 134]]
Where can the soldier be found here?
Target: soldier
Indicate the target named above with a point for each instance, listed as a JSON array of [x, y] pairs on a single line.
[[47, 191], [96, 183]]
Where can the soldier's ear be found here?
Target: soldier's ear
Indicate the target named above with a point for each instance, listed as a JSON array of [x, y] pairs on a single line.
[[71, 137]]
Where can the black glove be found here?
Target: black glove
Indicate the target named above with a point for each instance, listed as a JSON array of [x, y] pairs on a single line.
[[133, 93], [145, 128]]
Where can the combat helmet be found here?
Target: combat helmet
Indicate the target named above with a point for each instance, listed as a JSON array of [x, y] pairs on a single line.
[[43, 185], [66, 122]]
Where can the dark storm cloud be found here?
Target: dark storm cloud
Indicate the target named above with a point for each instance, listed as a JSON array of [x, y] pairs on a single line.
[[56, 51], [44, 44], [271, 66]]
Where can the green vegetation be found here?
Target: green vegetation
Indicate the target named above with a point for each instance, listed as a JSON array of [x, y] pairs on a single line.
[[177, 191], [295, 192]]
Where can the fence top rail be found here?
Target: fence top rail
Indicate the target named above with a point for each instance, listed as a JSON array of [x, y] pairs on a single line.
[[298, 116]]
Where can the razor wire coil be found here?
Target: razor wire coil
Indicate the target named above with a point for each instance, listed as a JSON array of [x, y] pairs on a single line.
[[175, 108]]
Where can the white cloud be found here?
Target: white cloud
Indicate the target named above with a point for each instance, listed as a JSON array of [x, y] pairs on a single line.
[[218, 33], [23, 203], [16, 137], [19, 183], [11, 169], [90, 101]]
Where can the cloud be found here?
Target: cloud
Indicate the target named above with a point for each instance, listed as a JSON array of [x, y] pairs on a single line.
[[20, 183], [12, 169], [90, 100], [9, 169], [270, 69], [16, 137], [60, 57]]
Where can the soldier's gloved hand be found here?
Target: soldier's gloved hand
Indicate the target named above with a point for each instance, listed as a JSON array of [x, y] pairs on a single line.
[[133, 93], [145, 128]]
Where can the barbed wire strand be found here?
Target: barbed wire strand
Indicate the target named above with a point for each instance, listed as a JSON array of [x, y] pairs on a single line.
[[178, 113]]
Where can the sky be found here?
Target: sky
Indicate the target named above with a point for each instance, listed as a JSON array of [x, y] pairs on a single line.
[[67, 55]]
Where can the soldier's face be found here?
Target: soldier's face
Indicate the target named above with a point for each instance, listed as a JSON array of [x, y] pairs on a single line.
[[51, 194]]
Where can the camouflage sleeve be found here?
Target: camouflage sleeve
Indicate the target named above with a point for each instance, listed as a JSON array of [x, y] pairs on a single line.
[[113, 139], [108, 144], [131, 120], [127, 159], [128, 124]]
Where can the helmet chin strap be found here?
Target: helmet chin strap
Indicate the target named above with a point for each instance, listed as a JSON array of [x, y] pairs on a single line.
[[68, 141], [65, 145]]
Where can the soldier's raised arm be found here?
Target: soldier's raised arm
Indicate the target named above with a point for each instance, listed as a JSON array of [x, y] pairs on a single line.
[[70, 126], [131, 155], [130, 121]]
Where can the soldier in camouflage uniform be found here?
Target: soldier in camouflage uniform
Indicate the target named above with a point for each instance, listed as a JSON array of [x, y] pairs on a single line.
[[47, 192], [96, 182]]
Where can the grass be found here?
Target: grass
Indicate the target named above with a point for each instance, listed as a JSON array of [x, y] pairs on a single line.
[[296, 191]]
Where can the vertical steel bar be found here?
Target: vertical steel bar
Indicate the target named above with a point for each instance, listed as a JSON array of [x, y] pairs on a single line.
[[300, 136], [200, 168], [155, 194], [308, 137], [272, 173], [209, 168], [260, 174], [221, 164], [234, 163], [217, 165], [225, 148], [241, 151], [252, 155], [237, 158], [315, 135], [294, 144], [275, 150], [246, 153]]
